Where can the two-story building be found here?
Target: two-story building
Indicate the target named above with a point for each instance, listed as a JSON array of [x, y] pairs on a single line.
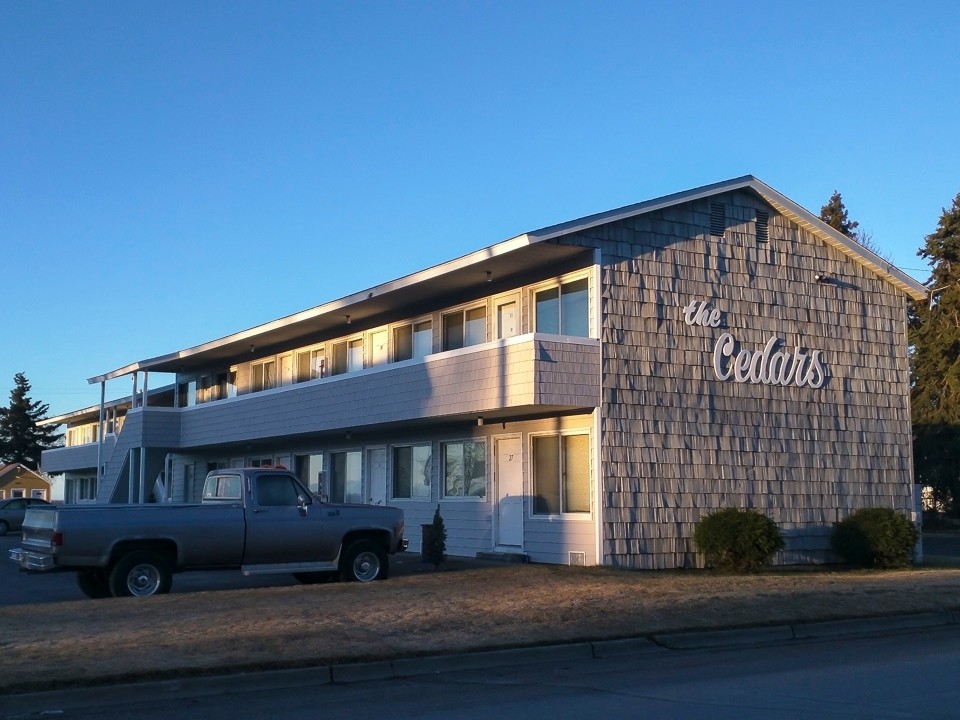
[[581, 394]]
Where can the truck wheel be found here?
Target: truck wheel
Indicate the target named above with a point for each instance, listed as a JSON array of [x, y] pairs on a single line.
[[364, 561], [4, 527], [140, 574], [94, 583]]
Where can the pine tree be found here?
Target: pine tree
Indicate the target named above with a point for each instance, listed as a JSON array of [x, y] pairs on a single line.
[[834, 214], [21, 439], [935, 366]]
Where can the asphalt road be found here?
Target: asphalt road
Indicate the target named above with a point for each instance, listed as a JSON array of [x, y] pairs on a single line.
[[900, 676]]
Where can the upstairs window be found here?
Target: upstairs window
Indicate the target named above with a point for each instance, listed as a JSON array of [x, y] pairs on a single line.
[[264, 375], [310, 364], [564, 309], [412, 341], [464, 328]]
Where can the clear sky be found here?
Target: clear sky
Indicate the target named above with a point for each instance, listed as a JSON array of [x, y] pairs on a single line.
[[172, 172]]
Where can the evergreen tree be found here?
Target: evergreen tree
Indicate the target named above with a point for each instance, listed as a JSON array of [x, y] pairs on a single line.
[[21, 439], [436, 550], [834, 214], [935, 366]]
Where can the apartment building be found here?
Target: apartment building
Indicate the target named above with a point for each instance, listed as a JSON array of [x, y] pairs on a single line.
[[580, 394]]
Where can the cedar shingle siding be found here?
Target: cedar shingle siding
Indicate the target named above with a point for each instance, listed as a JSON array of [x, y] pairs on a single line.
[[678, 443]]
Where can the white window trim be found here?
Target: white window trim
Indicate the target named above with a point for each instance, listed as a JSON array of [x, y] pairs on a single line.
[[585, 274], [486, 472], [463, 309], [566, 516], [391, 477]]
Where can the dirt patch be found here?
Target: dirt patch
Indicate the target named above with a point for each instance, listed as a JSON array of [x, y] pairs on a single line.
[[426, 613]]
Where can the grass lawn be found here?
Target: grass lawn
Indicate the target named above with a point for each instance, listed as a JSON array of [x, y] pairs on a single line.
[[461, 607]]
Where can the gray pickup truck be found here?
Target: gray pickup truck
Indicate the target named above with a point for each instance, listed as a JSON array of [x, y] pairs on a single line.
[[259, 520]]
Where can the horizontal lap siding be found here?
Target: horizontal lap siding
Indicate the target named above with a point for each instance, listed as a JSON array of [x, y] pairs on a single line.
[[679, 443], [476, 382]]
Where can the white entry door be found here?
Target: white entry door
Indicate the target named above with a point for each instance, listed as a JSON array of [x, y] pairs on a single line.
[[377, 476], [378, 348], [508, 324], [509, 515]]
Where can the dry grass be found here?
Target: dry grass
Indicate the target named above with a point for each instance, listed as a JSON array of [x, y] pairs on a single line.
[[426, 613]]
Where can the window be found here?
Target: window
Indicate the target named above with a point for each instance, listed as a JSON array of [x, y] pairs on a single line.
[[187, 394], [278, 491], [354, 355], [226, 384], [347, 357], [264, 375], [411, 472], [346, 479], [564, 309], [260, 462], [561, 474], [464, 468], [464, 328], [222, 487], [310, 365], [412, 341]]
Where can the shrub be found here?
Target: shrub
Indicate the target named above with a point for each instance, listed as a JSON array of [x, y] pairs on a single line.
[[737, 540], [875, 537], [436, 550]]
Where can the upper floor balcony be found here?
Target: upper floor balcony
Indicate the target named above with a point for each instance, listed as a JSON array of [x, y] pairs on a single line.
[[524, 376]]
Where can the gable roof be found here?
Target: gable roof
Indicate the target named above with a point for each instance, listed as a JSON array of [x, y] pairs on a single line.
[[499, 260], [8, 473]]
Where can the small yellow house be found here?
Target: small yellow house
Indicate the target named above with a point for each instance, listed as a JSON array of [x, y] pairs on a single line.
[[18, 480]]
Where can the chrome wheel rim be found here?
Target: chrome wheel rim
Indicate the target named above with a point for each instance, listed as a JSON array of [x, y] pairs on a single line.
[[143, 580], [366, 566]]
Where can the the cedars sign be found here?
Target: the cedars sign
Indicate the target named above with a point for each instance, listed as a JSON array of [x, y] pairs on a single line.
[[768, 365]]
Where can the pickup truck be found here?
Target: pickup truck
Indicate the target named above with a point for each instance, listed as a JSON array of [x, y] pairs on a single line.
[[260, 520]]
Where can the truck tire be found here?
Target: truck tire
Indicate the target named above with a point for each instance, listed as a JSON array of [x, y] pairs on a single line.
[[364, 561], [140, 574], [94, 583]]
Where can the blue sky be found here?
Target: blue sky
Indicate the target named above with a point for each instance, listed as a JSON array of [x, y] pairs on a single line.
[[173, 172]]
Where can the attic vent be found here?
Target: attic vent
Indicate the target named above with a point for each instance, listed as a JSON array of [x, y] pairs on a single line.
[[763, 226], [578, 558], [718, 219]]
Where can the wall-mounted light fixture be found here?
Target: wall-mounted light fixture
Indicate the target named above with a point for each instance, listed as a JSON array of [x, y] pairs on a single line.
[[252, 348], [489, 276], [480, 420], [349, 435], [348, 319]]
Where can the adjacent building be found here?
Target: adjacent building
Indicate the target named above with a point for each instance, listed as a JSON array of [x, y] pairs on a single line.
[[580, 394], [19, 481]]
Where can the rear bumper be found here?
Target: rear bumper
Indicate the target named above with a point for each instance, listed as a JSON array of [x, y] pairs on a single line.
[[31, 561]]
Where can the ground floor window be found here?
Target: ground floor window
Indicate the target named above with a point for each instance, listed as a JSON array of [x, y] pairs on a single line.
[[464, 468], [561, 474], [411, 472], [346, 477]]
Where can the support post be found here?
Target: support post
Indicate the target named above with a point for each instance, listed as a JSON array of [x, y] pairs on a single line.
[[100, 434]]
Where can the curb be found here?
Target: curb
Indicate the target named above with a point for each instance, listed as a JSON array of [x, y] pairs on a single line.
[[625, 647], [649, 645]]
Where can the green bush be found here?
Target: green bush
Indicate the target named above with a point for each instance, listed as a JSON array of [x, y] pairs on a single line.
[[737, 540], [875, 537]]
